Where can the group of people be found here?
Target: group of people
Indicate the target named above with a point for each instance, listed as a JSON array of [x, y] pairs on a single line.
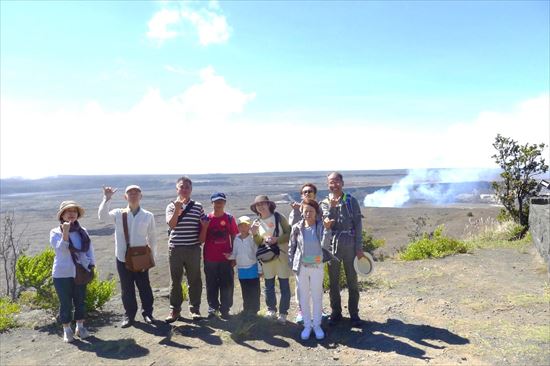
[[315, 233]]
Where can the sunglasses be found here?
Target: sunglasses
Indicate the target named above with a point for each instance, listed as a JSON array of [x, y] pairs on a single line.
[[307, 191]]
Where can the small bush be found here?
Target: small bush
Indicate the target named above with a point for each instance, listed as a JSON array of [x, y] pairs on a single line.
[[7, 310], [326, 280], [470, 214], [370, 244], [35, 272], [98, 293], [503, 216], [435, 247], [418, 231], [185, 291]]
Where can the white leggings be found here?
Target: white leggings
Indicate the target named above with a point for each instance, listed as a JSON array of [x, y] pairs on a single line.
[[310, 286]]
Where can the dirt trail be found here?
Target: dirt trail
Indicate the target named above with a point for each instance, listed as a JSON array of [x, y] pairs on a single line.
[[490, 307]]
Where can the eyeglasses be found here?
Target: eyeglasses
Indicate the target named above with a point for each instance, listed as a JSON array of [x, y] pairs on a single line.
[[307, 191]]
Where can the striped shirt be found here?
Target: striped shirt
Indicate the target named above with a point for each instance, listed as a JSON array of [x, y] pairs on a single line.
[[188, 228]]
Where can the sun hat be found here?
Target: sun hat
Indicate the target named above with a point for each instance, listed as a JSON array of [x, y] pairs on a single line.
[[364, 266], [262, 198], [132, 186], [69, 204], [244, 220], [218, 196]]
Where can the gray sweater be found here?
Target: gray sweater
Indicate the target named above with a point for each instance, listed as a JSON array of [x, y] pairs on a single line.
[[296, 247]]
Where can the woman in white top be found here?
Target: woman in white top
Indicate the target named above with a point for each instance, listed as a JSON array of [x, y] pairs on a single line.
[[72, 247]]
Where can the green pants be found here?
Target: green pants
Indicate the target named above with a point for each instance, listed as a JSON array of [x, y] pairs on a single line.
[[187, 258], [346, 253]]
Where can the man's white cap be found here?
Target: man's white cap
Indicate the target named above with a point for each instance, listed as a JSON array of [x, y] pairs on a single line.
[[133, 186]]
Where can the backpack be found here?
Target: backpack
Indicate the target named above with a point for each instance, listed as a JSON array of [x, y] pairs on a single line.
[[268, 252]]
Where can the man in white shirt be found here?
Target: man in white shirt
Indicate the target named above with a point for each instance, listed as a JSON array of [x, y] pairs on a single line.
[[141, 231]]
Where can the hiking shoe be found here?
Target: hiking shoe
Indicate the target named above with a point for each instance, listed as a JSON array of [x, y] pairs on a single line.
[[172, 317], [126, 322], [299, 318], [82, 332], [195, 315], [335, 318], [68, 335], [212, 313], [319, 333], [305, 334], [271, 314], [355, 321], [225, 315], [281, 319], [149, 319]]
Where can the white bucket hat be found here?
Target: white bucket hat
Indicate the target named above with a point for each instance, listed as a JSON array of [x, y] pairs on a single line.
[[365, 266]]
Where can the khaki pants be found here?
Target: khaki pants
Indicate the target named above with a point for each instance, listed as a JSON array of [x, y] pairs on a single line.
[[188, 258]]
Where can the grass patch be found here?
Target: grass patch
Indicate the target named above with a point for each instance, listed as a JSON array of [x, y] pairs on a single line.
[[434, 246], [529, 299], [7, 311], [490, 233]]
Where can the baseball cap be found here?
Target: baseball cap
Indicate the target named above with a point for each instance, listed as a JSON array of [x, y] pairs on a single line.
[[132, 186], [244, 220], [218, 196]]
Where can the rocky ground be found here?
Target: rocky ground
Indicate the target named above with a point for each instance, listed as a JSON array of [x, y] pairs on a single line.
[[488, 307]]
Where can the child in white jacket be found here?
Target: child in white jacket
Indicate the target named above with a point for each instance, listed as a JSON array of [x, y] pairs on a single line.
[[244, 253]]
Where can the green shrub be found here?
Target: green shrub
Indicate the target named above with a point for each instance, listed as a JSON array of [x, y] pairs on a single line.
[[503, 216], [326, 281], [435, 247], [185, 291], [98, 293], [370, 244], [35, 272], [7, 310]]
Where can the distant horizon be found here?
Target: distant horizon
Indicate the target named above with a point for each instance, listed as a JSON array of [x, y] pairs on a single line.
[[245, 173]]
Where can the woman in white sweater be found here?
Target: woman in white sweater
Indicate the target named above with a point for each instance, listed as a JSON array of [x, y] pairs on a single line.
[[72, 248]]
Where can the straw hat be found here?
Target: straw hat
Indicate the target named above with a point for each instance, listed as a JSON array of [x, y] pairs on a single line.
[[262, 198], [364, 266], [69, 204]]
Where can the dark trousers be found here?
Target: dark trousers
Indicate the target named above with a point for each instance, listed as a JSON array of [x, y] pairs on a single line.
[[185, 258], [70, 295], [345, 252], [128, 281], [250, 289], [219, 285]]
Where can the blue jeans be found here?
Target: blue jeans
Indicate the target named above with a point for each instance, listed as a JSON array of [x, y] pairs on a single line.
[[270, 299], [70, 294]]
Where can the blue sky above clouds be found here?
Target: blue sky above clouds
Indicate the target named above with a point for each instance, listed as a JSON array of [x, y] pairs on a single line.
[[400, 84]]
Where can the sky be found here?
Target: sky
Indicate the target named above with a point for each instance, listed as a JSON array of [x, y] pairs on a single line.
[[189, 87]]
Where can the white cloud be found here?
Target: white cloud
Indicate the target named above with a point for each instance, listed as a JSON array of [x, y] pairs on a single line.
[[208, 23], [158, 25], [204, 129]]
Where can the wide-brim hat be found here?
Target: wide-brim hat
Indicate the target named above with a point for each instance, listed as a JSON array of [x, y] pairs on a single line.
[[364, 266], [69, 204], [262, 198]]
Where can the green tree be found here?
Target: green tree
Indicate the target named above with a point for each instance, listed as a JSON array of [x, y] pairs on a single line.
[[520, 164]]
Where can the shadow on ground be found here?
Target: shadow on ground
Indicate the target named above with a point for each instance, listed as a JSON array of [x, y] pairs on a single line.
[[381, 337]]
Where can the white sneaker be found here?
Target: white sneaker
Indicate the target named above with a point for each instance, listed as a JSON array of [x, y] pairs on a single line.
[[271, 314], [305, 334], [281, 319], [68, 335], [319, 333], [82, 332]]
